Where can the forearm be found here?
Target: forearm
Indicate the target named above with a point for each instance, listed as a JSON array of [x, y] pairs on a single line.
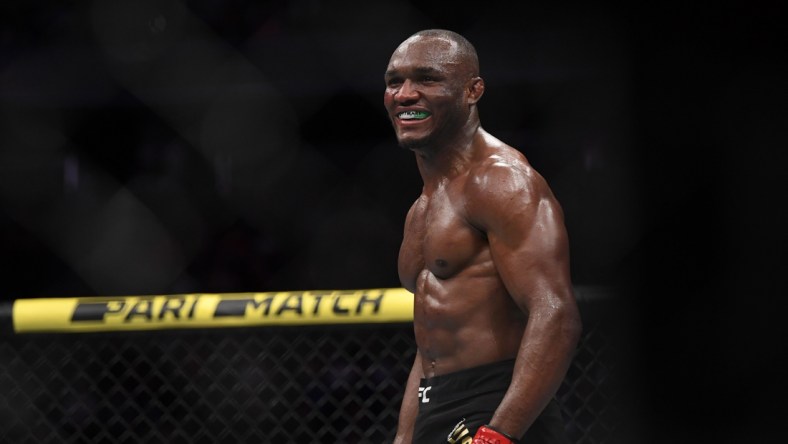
[[410, 407], [546, 350]]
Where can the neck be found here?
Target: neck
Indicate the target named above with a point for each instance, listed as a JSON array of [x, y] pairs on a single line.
[[437, 162]]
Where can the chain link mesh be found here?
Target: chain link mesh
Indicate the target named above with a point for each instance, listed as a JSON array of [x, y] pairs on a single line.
[[299, 385]]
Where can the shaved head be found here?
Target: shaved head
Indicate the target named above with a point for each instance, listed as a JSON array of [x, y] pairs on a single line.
[[462, 49]]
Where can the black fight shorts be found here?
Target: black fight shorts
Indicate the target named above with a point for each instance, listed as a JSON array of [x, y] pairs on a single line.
[[473, 395]]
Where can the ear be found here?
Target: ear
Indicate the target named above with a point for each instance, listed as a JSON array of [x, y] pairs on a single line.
[[475, 90]]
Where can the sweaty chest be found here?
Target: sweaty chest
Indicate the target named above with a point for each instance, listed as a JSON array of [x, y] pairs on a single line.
[[438, 239]]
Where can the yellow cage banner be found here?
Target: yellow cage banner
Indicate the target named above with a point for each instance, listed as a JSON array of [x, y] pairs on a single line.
[[124, 313]]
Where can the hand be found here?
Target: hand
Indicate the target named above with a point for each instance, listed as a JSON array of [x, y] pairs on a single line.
[[486, 435]]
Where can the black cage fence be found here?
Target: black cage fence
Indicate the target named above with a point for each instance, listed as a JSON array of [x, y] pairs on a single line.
[[316, 384]]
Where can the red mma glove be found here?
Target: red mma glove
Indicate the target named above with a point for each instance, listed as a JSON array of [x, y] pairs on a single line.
[[488, 435]]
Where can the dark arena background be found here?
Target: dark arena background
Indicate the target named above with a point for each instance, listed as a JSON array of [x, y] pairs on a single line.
[[162, 147]]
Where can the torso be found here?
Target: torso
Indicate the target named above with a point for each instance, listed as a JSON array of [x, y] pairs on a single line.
[[463, 314]]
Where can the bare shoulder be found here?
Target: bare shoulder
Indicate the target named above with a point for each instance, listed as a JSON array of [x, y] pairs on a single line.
[[502, 173], [503, 191]]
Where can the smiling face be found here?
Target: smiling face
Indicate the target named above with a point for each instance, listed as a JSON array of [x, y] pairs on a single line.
[[428, 91]]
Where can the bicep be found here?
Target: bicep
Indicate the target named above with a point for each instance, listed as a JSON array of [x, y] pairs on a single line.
[[530, 248], [533, 255]]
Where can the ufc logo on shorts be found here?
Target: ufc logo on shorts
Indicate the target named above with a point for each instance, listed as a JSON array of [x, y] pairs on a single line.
[[423, 394]]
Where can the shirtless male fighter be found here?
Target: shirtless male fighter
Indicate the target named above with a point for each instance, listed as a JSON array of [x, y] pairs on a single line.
[[485, 253]]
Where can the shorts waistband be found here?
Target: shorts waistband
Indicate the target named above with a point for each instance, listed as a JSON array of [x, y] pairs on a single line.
[[493, 375]]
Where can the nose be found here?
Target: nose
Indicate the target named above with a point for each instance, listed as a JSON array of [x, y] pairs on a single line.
[[407, 92]]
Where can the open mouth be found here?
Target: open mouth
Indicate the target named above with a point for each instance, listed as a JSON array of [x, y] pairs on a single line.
[[413, 115]]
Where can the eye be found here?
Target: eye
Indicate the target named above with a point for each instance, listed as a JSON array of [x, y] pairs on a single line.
[[393, 82]]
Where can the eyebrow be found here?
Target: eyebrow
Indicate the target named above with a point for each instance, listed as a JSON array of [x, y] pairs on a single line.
[[417, 71]]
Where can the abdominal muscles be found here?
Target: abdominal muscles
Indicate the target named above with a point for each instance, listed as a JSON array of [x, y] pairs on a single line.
[[465, 321]]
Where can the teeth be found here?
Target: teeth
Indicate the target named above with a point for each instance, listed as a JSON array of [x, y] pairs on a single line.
[[413, 115]]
